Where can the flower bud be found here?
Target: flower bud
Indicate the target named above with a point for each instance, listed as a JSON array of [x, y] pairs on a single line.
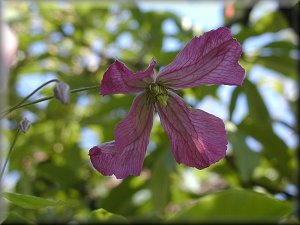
[[25, 124], [62, 92]]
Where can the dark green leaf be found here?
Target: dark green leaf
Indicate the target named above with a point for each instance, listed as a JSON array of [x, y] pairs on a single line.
[[245, 159], [256, 105], [61, 174], [15, 218], [160, 183], [274, 149], [234, 97], [283, 64]]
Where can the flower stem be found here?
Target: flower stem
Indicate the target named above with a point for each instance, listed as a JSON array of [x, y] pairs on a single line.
[[27, 97], [9, 153], [20, 105], [32, 93]]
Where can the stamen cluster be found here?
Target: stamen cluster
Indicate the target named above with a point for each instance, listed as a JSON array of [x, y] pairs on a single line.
[[157, 93]]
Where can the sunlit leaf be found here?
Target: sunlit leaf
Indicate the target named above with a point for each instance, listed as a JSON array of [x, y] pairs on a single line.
[[29, 201], [103, 216], [235, 206], [271, 22]]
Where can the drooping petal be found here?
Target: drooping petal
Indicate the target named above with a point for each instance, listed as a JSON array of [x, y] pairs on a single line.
[[125, 155], [208, 59], [102, 158], [118, 79], [198, 139]]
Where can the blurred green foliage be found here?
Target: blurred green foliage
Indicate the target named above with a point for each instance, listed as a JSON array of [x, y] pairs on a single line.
[[53, 166]]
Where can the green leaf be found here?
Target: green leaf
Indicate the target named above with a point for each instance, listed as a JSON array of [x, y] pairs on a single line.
[[274, 149], [61, 174], [234, 97], [281, 45], [235, 205], [256, 105], [160, 182], [259, 125], [280, 63], [29, 201], [3, 216], [16, 218], [101, 215], [277, 56], [272, 22], [245, 159], [112, 201]]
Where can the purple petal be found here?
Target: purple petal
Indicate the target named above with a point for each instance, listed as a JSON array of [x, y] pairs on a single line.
[[208, 59], [125, 155], [102, 157], [198, 139], [118, 79]]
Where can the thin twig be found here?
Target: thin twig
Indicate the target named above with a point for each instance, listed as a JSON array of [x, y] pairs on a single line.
[[18, 106], [9, 152]]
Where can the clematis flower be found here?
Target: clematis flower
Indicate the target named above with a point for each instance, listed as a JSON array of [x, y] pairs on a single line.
[[197, 138]]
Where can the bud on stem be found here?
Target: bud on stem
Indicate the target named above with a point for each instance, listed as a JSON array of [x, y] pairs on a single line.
[[25, 124], [62, 92]]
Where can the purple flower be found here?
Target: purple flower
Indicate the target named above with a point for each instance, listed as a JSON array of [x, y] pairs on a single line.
[[198, 139]]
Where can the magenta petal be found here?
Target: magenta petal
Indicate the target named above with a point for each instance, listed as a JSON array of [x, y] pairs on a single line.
[[125, 155], [118, 79], [102, 157], [208, 59], [198, 139]]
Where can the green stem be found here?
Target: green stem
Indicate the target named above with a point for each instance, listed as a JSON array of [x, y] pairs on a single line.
[[32, 93], [27, 97], [9, 153], [18, 106]]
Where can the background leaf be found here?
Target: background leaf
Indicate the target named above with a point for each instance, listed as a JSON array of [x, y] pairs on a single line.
[[29, 201], [235, 205], [103, 216]]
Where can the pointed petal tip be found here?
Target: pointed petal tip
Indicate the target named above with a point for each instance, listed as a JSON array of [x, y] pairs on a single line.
[[153, 61]]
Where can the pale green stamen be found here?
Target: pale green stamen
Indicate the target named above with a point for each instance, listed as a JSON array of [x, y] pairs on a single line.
[[158, 93]]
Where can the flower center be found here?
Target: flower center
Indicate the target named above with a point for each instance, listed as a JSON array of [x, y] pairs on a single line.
[[157, 93]]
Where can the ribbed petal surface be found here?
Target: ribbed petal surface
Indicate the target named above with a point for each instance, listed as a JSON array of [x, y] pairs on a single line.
[[198, 139], [125, 155], [118, 79], [208, 59]]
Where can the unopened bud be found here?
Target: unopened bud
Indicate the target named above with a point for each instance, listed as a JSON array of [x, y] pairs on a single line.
[[25, 124], [62, 92]]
